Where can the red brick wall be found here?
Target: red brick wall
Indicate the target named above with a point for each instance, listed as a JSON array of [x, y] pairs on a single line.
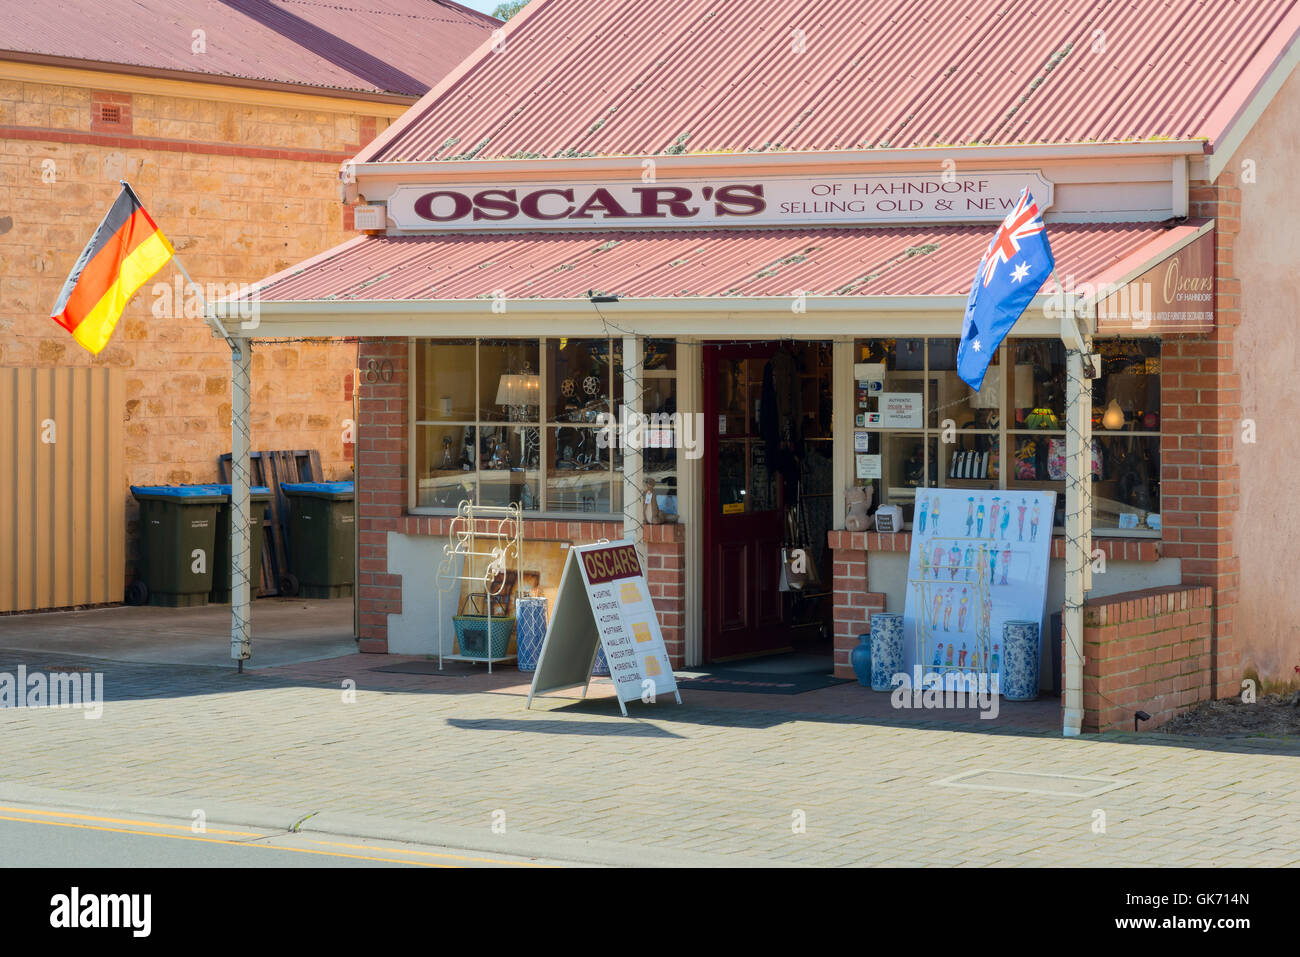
[[1200, 410], [665, 547], [1147, 650], [854, 604], [381, 464]]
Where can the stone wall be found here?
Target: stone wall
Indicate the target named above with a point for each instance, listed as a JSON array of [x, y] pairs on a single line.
[[242, 189]]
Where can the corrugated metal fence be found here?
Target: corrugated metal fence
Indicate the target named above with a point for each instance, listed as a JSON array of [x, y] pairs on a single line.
[[62, 491]]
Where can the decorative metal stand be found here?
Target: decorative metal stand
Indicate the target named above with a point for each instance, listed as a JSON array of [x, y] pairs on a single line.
[[486, 541], [927, 617]]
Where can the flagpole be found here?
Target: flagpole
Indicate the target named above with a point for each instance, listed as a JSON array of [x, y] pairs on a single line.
[[241, 586]]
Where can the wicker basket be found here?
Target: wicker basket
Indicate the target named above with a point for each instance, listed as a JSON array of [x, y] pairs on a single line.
[[472, 635]]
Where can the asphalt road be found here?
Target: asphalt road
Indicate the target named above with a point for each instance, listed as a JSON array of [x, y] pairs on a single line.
[[45, 837]]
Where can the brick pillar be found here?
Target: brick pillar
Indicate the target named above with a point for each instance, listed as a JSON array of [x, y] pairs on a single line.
[[1200, 415], [665, 547], [381, 457], [854, 603]]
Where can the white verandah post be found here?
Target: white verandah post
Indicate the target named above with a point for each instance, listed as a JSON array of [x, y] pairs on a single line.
[[1078, 517], [241, 585], [633, 478]]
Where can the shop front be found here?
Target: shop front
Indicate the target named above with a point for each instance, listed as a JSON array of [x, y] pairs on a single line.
[[734, 354], [774, 369]]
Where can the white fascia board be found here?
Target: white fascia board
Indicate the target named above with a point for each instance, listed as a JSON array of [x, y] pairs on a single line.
[[1236, 134], [707, 162], [730, 318]]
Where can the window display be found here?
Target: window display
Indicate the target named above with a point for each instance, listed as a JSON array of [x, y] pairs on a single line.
[[1011, 433], [502, 421]]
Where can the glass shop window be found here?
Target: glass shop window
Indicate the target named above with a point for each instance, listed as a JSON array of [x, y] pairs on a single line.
[[500, 421], [917, 424]]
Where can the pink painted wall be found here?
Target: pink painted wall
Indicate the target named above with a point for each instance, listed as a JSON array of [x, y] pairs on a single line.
[[1267, 259]]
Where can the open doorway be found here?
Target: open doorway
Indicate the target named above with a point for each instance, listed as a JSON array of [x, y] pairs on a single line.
[[768, 485]]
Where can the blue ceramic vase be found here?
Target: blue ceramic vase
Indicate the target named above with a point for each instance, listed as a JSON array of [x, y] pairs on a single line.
[[886, 650], [1020, 655], [860, 659]]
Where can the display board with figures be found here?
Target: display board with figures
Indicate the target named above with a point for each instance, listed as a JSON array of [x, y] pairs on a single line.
[[979, 558]]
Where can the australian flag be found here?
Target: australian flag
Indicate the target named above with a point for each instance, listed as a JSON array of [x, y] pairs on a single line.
[[1015, 266]]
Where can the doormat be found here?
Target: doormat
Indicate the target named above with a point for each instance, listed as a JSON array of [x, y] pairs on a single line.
[[754, 682], [450, 669]]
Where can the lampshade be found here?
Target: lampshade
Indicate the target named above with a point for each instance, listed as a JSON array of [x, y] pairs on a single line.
[[1113, 417], [990, 393], [518, 389]]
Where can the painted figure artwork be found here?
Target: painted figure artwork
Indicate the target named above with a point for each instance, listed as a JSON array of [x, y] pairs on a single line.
[[999, 579], [921, 514]]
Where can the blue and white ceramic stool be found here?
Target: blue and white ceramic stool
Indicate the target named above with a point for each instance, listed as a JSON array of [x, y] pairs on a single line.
[[1020, 656], [886, 650]]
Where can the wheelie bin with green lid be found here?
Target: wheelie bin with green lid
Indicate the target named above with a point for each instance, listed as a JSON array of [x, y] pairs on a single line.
[[178, 525], [322, 534]]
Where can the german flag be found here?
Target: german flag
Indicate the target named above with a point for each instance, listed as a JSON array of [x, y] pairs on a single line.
[[126, 251]]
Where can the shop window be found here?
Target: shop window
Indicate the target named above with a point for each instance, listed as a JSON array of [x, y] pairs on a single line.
[[916, 423], [500, 421]]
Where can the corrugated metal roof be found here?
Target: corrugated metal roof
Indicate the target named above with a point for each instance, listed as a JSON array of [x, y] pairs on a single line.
[[896, 261], [627, 77], [390, 46]]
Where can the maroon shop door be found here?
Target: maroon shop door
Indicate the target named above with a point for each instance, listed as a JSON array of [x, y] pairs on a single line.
[[744, 610]]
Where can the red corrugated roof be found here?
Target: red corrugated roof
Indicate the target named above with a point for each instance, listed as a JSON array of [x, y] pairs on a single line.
[[896, 261], [388, 46], [630, 77]]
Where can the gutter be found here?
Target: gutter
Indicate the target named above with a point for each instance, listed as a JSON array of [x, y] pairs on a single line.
[[854, 159]]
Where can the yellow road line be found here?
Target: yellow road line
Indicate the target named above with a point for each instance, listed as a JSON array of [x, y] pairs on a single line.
[[210, 840], [121, 820], [454, 857]]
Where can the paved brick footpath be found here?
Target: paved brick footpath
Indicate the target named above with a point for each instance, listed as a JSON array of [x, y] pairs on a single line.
[[720, 779]]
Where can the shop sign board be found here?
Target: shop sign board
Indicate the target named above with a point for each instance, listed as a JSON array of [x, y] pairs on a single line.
[[604, 601], [901, 198], [1175, 295]]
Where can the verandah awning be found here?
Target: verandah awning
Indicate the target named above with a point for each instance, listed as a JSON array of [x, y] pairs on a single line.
[[673, 281]]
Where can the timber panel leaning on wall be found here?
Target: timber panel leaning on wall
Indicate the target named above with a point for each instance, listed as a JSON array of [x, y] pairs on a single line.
[[62, 490]]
